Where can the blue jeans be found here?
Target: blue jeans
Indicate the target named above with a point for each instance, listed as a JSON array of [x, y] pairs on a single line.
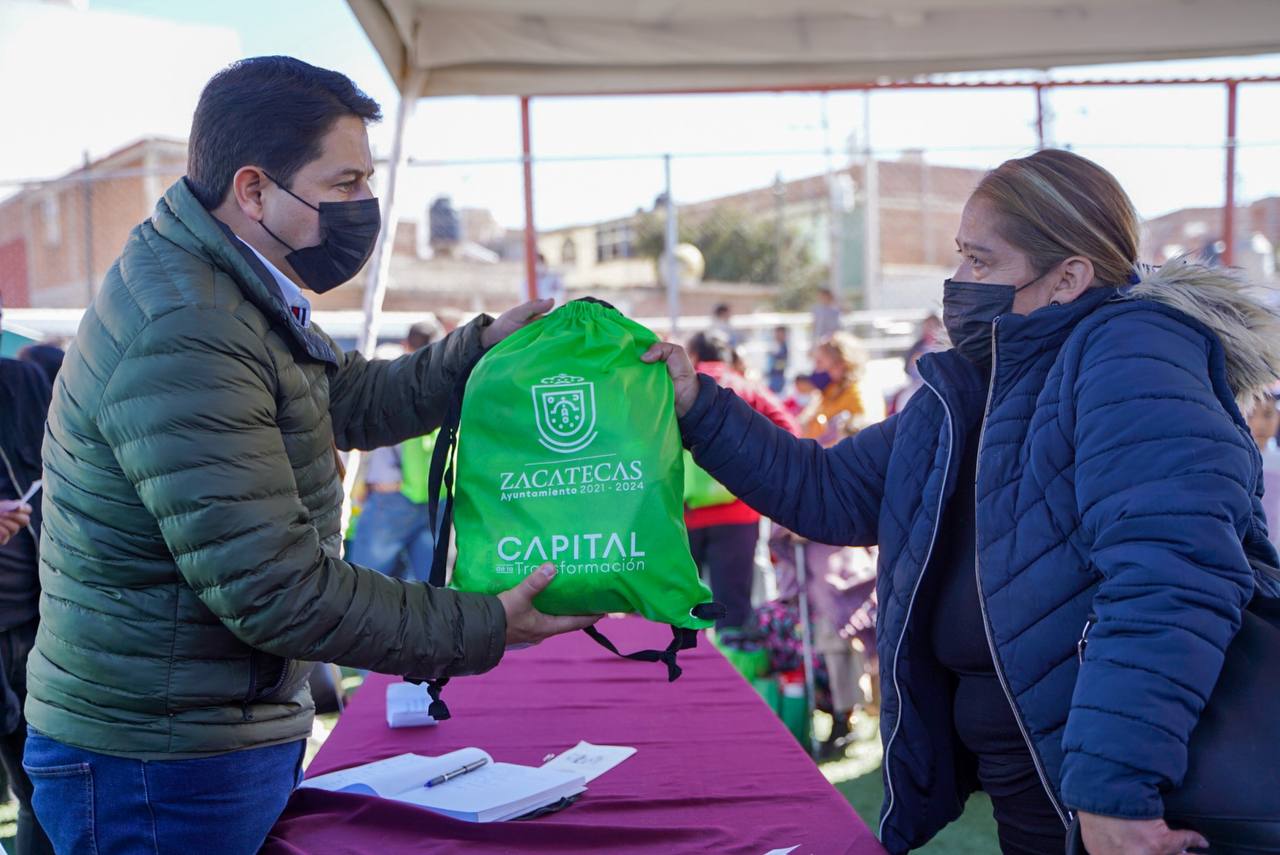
[[389, 525], [95, 804]]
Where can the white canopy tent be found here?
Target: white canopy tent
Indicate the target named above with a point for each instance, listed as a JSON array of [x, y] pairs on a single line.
[[547, 47], [532, 48]]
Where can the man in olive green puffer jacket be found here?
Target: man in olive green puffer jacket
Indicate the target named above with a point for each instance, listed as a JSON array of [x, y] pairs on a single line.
[[189, 559]]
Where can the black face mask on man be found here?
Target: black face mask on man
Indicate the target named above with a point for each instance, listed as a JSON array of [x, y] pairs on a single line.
[[970, 308], [348, 232]]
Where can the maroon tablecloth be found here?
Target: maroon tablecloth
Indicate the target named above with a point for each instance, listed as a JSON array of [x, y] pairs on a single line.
[[715, 771]]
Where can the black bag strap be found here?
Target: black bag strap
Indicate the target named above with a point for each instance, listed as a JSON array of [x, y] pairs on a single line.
[[443, 458], [681, 639]]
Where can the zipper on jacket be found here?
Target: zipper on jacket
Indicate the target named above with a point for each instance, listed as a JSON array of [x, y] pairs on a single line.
[[1063, 815], [1084, 637], [246, 715], [933, 538]]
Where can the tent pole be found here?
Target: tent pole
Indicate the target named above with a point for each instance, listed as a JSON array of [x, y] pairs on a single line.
[[1039, 116], [1229, 206], [669, 269], [375, 285], [530, 229]]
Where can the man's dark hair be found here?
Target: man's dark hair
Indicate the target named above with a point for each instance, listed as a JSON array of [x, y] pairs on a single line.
[[710, 346], [720, 310], [268, 111]]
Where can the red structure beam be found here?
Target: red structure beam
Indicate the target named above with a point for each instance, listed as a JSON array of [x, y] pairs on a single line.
[[1229, 206], [530, 230]]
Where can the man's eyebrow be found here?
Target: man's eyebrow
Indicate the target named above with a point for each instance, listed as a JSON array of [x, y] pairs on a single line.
[[354, 173]]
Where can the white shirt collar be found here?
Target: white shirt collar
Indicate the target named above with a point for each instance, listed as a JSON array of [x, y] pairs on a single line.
[[299, 306]]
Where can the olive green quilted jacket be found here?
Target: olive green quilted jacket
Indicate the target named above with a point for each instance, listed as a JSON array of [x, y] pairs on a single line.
[[189, 559]]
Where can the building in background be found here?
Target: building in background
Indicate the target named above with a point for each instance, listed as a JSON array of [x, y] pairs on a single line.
[[58, 238], [918, 203], [1199, 231]]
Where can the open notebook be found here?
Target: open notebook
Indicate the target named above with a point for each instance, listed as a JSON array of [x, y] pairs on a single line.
[[492, 793]]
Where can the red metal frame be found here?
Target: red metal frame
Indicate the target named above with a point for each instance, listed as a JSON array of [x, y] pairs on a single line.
[[1229, 204], [1232, 84], [530, 231]]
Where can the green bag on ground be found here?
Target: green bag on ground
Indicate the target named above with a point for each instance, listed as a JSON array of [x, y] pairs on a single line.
[[568, 451]]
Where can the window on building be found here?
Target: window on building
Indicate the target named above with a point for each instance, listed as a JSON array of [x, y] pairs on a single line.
[[615, 240], [568, 252]]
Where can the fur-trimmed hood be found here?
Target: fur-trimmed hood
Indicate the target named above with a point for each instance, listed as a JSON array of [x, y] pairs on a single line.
[[1222, 300]]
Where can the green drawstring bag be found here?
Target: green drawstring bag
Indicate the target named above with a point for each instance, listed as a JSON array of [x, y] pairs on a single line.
[[567, 450]]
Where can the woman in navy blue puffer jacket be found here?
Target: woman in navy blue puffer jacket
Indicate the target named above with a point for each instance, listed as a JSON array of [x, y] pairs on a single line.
[[1065, 514]]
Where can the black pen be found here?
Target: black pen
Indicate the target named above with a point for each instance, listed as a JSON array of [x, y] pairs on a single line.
[[449, 776]]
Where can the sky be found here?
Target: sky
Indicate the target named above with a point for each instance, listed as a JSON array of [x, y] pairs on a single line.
[[94, 81]]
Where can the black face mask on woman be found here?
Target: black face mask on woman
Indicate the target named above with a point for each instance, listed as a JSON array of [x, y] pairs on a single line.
[[970, 308], [348, 232]]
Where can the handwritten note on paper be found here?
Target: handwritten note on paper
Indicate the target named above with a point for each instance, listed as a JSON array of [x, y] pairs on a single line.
[[590, 761]]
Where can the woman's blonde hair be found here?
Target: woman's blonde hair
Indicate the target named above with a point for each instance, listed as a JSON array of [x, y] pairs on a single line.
[[1055, 204]]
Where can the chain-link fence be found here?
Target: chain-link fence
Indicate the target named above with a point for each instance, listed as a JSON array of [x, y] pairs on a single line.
[[863, 204]]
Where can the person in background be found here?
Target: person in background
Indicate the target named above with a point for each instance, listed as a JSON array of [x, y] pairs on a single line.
[[899, 397], [933, 334], [802, 394], [723, 532], [47, 355], [837, 410], [840, 580], [1264, 422], [826, 315], [393, 533], [25, 390], [779, 357], [549, 283], [722, 323]]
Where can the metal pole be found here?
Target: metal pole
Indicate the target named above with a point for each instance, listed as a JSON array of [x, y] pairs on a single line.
[[1229, 208], [375, 286], [87, 200], [669, 271], [806, 641], [530, 230], [1039, 116], [835, 281], [871, 213], [779, 235]]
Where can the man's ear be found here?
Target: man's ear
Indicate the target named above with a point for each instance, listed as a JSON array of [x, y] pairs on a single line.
[[246, 188], [1074, 277]]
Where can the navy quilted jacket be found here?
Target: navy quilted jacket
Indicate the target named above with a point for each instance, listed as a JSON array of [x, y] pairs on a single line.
[[1118, 495]]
